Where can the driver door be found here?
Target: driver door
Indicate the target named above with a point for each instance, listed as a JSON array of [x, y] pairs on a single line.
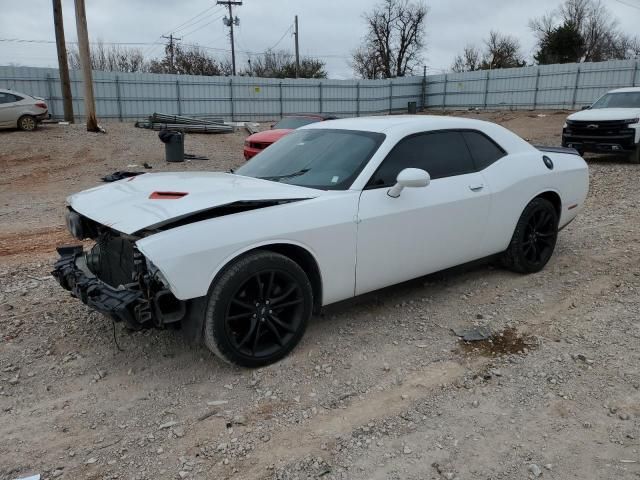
[[425, 229]]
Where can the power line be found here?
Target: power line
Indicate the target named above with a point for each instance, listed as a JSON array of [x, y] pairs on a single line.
[[142, 44], [202, 26], [283, 35], [189, 22]]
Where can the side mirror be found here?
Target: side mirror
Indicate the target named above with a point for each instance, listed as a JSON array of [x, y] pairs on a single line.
[[409, 177], [586, 107]]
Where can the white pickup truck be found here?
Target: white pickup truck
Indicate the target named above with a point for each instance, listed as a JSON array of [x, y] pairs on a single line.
[[611, 124]]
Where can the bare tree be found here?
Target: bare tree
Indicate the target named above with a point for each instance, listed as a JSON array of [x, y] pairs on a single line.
[[112, 58], [500, 51], [601, 37], [281, 64], [468, 61], [189, 61], [394, 40]]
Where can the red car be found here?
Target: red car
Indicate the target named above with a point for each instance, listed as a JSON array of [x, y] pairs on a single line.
[[259, 141]]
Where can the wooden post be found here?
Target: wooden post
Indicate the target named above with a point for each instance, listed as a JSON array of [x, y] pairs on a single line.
[[63, 65], [320, 95], [358, 99], [85, 62], [280, 98]]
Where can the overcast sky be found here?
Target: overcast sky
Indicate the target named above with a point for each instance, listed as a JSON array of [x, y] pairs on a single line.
[[329, 29]]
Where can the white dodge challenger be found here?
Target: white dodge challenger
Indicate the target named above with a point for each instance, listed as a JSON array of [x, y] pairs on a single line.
[[335, 209]]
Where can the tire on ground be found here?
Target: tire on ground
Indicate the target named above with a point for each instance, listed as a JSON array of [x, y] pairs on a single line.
[[27, 123], [222, 291], [515, 258]]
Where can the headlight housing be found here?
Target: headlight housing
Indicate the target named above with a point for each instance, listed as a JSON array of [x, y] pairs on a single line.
[[75, 225], [632, 120]]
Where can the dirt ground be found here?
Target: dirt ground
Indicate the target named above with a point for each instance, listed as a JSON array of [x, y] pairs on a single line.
[[379, 388]]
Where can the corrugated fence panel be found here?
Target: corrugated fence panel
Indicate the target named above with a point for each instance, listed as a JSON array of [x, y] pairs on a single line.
[[137, 95]]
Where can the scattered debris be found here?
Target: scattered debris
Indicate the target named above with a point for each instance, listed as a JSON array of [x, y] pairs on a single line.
[[119, 175], [167, 425], [475, 334], [535, 470], [208, 414], [252, 127], [190, 156]]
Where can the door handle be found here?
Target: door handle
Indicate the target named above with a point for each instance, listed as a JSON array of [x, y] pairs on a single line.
[[476, 188]]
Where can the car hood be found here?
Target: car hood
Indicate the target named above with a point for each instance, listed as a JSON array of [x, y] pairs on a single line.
[[605, 114], [127, 206], [269, 136]]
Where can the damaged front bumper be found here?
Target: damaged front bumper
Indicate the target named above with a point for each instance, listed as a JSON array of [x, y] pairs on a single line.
[[124, 304]]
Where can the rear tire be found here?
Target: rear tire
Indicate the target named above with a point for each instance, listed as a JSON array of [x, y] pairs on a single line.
[[634, 157], [534, 238], [258, 309], [27, 123]]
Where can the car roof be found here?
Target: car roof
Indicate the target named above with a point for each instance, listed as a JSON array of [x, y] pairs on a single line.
[[387, 123], [398, 126], [625, 90]]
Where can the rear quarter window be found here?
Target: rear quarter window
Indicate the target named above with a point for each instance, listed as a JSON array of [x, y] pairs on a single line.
[[9, 98], [483, 150]]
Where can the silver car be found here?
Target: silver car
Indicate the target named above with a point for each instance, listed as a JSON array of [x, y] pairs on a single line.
[[19, 110]]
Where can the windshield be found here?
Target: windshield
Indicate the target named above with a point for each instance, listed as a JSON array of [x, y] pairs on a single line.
[[318, 158], [618, 100], [295, 122]]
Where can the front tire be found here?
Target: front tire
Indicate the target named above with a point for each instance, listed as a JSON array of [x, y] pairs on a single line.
[[258, 309], [634, 157], [534, 238], [27, 123]]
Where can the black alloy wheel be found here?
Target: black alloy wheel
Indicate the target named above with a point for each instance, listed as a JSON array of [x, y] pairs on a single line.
[[264, 313], [534, 238], [539, 236], [258, 309]]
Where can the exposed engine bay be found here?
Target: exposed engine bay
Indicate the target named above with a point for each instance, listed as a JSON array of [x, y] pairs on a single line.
[[115, 278]]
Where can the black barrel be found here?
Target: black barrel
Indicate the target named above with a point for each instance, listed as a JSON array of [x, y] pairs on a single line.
[[412, 107], [173, 145]]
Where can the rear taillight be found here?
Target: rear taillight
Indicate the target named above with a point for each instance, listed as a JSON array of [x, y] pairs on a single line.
[[41, 105]]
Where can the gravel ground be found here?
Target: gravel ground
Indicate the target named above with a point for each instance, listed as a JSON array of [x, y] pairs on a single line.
[[379, 388]]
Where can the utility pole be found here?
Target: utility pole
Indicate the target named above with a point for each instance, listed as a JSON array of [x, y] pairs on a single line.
[[171, 39], [63, 65], [297, 47], [230, 22], [85, 62]]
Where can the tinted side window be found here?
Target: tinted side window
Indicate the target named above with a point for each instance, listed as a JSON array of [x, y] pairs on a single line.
[[483, 150], [442, 154]]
